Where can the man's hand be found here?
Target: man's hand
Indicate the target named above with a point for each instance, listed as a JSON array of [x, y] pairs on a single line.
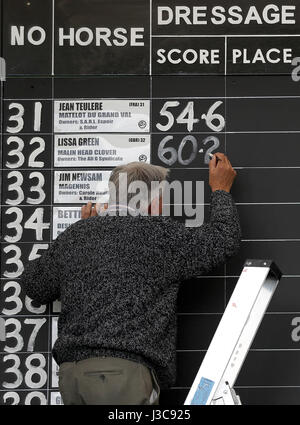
[[88, 210], [221, 173]]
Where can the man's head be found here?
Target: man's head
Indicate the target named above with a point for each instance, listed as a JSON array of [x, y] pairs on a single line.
[[138, 185]]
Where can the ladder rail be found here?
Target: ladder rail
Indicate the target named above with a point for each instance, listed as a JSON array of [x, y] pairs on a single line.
[[235, 333]]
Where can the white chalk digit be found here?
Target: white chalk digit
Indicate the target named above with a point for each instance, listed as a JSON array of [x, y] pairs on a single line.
[[15, 225], [193, 155], [37, 116], [187, 117], [35, 222], [16, 187], [211, 116], [38, 188], [165, 113], [32, 309], [16, 152], [15, 298], [35, 394], [14, 334], [11, 395], [35, 370], [163, 152], [18, 118], [16, 259], [34, 252], [37, 323], [213, 148], [13, 369], [32, 157]]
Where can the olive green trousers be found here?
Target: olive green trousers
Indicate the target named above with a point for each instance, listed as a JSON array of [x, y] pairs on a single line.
[[108, 380]]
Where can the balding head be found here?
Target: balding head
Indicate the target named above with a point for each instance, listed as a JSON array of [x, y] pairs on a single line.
[[137, 181]]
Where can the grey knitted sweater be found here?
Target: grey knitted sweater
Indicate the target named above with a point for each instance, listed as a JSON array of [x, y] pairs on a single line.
[[118, 278]]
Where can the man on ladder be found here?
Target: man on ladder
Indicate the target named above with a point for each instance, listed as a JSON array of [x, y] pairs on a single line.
[[118, 276]]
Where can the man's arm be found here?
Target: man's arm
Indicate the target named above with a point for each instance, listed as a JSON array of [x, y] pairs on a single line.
[[199, 250], [41, 277]]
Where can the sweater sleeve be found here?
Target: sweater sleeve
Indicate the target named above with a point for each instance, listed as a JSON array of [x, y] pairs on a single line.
[[197, 251], [41, 277]]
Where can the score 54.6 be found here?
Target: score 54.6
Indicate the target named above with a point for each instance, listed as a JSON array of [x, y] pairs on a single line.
[[213, 120]]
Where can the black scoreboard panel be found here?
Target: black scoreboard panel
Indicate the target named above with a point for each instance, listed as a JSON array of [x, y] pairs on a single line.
[[186, 79]]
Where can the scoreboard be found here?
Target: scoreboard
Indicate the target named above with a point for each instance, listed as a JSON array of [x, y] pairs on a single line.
[[91, 85]]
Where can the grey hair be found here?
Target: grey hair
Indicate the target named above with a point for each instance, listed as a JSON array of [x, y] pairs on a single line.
[[137, 174]]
